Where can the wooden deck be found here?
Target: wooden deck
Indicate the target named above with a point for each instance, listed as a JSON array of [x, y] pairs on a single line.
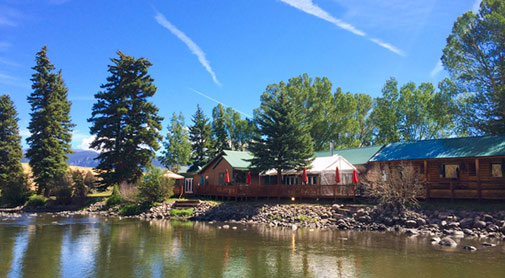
[[483, 189], [276, 191]]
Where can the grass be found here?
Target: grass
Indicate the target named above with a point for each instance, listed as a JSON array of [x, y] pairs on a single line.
[[181, 212], [101, 194]]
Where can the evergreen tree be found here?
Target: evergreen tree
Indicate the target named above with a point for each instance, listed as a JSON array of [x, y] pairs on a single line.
[[125, 123], [50, 125], [12, 179], [219, 132], [200, 134], [282, 141], [177, 145], [474, 57]]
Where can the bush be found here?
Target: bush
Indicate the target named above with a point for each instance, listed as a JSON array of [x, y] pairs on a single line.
[[15, 192], [115, 199], [79, 186], [62, 189], [395, 187], [90, 180], [36, 201], [155, 187], [134, 209], [181, 212]]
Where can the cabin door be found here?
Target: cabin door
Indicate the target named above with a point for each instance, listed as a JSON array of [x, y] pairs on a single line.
[[188, 185]]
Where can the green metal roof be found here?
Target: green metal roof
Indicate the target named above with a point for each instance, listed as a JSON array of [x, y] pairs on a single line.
[[444, 148], [355, 156], [238, 160]]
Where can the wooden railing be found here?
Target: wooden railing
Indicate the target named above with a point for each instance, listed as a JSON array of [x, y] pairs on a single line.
[[276, 191], [455, 189]]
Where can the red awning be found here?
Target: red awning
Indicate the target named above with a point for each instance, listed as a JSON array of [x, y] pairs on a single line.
[[354, 177], [226, 177], [305, 179], [337, 175], [248, 181]]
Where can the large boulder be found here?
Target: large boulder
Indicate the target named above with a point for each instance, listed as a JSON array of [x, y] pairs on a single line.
[[479, 224], [447, 241], [466, 223], [411, 224]]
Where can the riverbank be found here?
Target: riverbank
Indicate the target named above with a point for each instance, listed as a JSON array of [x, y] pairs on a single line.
[[437, 223]]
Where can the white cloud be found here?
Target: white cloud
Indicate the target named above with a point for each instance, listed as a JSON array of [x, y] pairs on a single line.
[[8, 62], [195, 49], [388, 46], [438, 68], [13, 81], [217, 101], [309, 7], [476, 6], [85, 142]]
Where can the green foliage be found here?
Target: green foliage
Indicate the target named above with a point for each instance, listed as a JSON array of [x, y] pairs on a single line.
[[36, 201], [13, 183], [239, 131], [155, 187], [219, 133], [181, 212], [115, 199], [62, 189], [134, 209], [125, 123], [79, 186], [177, 146], [50, 125], [414, 112], [200, 133], [282, 141], [474, 59]]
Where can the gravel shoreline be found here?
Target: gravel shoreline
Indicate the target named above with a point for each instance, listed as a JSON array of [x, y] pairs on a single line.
[[442, 225]]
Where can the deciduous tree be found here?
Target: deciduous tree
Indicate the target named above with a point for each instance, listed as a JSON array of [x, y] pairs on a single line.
[[177, 146]]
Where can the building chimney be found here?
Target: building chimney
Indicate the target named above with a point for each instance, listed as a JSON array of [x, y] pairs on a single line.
[[331, 147]]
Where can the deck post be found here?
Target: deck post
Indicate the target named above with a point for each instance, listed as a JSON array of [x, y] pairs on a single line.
[[426, 180], [451, 185], [479, 186]]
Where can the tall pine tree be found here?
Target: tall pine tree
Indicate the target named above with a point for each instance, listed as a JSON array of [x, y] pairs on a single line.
[[177, 146], [219, 132], [125, 123], [12, 179], [282, 142], [50, 125], [200, 133]]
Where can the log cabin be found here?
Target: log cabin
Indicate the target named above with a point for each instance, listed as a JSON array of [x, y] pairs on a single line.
[[455, 168]]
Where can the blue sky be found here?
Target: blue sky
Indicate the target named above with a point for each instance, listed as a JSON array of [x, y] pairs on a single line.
[[228, 50]]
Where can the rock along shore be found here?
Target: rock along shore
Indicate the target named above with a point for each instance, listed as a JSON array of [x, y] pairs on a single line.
[[441, 225]]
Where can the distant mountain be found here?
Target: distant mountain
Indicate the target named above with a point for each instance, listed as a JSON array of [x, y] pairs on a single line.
[[85, 158]]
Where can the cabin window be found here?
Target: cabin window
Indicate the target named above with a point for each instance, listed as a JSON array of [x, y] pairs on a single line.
[[268, 180], [347, 178], [239, 177], [496, 170], [221, 178], [312, 179], [421, 169], [451, 171], [472, 170], [291, 179]]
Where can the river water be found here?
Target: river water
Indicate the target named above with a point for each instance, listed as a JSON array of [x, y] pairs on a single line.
[[47, 245]]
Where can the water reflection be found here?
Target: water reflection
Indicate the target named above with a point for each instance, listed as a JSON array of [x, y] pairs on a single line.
[[48, 246]]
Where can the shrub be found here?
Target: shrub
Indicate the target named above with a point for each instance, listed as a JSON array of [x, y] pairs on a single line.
[[181, 212], [90, 180], [115, 199], [134, 209], [79, 186], [15, 192], [62, 189], [155, 187], [36, 201], [395, 187]]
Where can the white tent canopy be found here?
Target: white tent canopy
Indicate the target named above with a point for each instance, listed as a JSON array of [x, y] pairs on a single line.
[[325, 167]]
